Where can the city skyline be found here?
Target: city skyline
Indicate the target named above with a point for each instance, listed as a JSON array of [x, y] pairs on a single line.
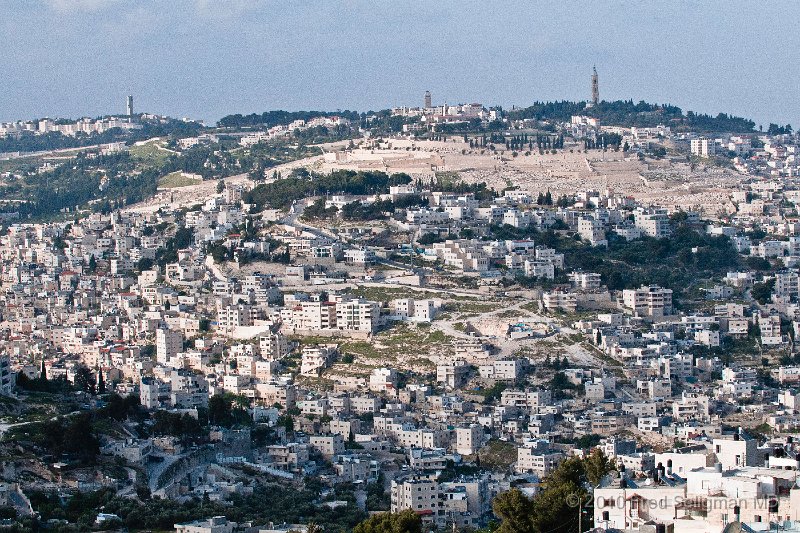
[[195, 59], [436, 267]]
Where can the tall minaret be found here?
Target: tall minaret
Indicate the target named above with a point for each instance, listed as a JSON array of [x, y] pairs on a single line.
[[595, 87], [427, 99]]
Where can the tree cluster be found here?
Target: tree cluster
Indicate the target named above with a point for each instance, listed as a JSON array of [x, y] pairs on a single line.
[[554, 508], [774, 129], [269, 119], [282, 193], [628, 113]]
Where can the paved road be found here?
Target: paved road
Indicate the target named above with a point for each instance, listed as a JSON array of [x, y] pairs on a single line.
[[22, 155], [292, 219], [6, 427]]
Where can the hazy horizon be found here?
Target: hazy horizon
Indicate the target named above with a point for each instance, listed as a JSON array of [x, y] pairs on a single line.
[[203, 59]]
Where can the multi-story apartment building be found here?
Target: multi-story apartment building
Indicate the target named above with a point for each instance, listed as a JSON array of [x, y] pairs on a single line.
[[468, 439], [691, 406], [272, 393], [439, 504], [585, 280], [383, 379], [230, 317], [703, 147], [7, 378], [410, 437], [357, 315], [316, 358], [502, 370], [653, 222], [313, 316], [652, 301], [365, 404], [560, 300], [168, 344], [530, 460], [654, 388], [592, 230], [413, 310], [288, 456], [452, 374], [464, 255], [417, 494], [327, 445], [273, 346]]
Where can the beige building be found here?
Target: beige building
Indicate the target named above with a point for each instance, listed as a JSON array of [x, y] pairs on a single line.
[[704, 499], [651, 301], [532, 461], [469, 439], [560, 300], [217, 524], [327, 445], [168, 344]]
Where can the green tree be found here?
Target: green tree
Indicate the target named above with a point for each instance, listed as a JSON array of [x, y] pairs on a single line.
[[597, 465], [219, 410], [79, 439], [762, 292], [404, 522], [560, 384], [84, 380], [554, 508], [516, 512], [286, 422]]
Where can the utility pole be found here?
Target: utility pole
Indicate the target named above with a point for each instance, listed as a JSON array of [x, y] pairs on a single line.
[[580, 516]]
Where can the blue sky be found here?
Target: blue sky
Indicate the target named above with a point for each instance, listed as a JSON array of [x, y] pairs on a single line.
[[205, 58]]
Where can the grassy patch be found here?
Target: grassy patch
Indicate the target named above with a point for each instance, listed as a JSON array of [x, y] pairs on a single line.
[[361, 349], [498, 455], [177, 179], [149, 153], [403, 345], [385, 294], [448, 178], [422, 362], [473, 306]]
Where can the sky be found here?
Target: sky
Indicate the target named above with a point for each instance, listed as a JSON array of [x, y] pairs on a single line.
[[205, 59]]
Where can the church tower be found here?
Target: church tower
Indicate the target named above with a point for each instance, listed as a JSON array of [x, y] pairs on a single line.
[[595, 87]]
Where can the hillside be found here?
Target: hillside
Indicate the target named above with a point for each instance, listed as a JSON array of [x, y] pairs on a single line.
[[627, 113]]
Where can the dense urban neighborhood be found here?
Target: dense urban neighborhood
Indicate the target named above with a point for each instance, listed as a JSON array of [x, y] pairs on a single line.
[[575, 316]]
